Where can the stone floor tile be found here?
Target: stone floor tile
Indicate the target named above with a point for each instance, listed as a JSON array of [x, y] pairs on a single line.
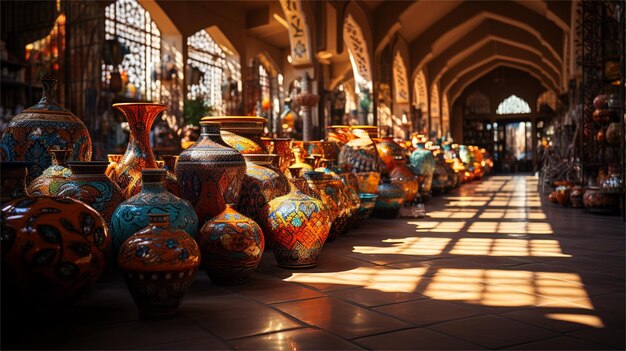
[[556, 319], [341, 318], [428, 311], [559, 343], [298, 339], [374, 297], [271, 291], [416, 339], [611, 337]]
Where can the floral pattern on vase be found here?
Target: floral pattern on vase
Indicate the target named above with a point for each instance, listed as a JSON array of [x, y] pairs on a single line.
[[39, 128], [243, 133], [57, 171], [53, 249], [210, 173], [298, 225], [132, 214], [138, 155], [231, 245], [159, 263]]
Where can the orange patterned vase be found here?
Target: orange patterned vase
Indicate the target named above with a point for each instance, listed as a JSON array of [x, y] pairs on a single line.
[[159, 263], [53, 249], [210, 173], [282, 148], [401, 176], [57, 171], [171, 183], [330, 189], [388, 150], [138, 155], [41, 127], [231, 245], [361, 155], [298, 225], [243, 133]]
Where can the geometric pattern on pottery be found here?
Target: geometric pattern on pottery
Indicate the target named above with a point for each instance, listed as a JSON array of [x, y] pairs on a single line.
[[103, 195], [260, 185]]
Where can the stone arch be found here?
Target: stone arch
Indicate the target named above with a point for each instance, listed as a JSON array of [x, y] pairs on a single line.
[[435, 113]]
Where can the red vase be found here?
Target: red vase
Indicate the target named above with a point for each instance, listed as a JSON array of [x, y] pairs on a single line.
[[210, 173], [138, 155], [231, 245]]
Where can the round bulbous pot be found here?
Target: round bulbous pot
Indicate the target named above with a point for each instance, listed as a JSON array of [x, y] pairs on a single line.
[[390, 200], [53, 249], [31, 134], [59, 170], [423, 163], [404, 178], [210, 173], [597, 201], [388, 150], [159, 263], [361, 155], [89, 184], [298, 225], [330, 190], [232, 246], [132, 215], [243, 133]]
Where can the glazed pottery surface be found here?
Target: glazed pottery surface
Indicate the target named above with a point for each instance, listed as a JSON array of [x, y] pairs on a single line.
[[562, 195], [361, 154], [261, 184], [298, 162], [210, 173], [282, 148], [339, 134], [231, 245], [390, 200], [597, 201], [352, 191], [329, 189], [171, 183], [132, 214], [89, 184], [39, 128], [138, 155], [243, 133], [53, 249], [368, 201], [405, 179], [57, 171], [114, 160], [298, 225], [13, 175], [388, 150], [440, 178], [159, 263]]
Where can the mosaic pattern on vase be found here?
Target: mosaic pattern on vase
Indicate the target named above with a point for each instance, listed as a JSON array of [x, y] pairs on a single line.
[[260, 185]]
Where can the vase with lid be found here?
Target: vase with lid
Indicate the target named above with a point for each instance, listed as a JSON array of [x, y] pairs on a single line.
[[210, 173], [159, 263], [59, 170], [243, 133], [39, 128], [138, 155]]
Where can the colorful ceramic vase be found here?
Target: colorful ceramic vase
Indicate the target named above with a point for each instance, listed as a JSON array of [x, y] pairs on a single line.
[[329, 189], [339, 134], [114, 160], [440, 178], [89, 184], [298, 225], [13, 175], [132, 214], [390, 200], [261, 184], [231, 245], [405, 179], [361, 155], [352, 191], [210, 173], [39, 128], [171, 183], [53, 249], [368, 201], [138, 155], [299, 163], [159, 263], [423, 163], [57, 171], [282, 148], [243, 133], [388, 150]]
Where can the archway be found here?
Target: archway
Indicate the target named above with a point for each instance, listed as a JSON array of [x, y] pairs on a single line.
[[435, 114], [421, 102], [358, 52]]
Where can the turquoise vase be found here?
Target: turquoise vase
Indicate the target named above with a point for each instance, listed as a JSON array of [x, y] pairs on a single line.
[[132, 214], [390, 200], [423, 163]]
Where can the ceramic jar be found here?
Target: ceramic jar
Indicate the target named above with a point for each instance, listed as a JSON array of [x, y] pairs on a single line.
[[53, 249], [39, 128], [138, 155], [298, 162], [368, 201], [596, 201], [243, 133], [352, 191], [423, 163], [169, 165], [330, 190], [576, 197], [388, 150], [440, 178], [390, 200], [339, 134], [159, 263], [282, 148], [132, 214], [57, 171], [405, 179], [13, 175], [261, 184], [298, 225], [361, 155], [231, 245], [562, 195]]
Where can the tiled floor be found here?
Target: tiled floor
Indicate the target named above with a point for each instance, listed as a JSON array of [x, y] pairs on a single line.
[[491, 267]]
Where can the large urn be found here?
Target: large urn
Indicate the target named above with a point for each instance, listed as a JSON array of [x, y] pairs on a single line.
[[210, 173], [39, 128], [243, 133], [138, 155]]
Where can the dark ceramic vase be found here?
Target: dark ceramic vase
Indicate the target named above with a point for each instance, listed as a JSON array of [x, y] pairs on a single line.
[[368, 201], [330, 190], [13, 175], [210, 173], [171, 183], [138, 155], [159, 263], [243, 133], [404, 178], [231, 245], [390, 200], [89, 184], [132, 214], [298, 225], [53, 249], [59, 170], [39, 128]]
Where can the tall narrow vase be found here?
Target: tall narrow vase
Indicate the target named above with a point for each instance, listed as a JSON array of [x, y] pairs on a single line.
[[138, 155]]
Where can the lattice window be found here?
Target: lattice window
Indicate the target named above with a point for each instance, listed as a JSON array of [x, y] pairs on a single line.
[[357, 50], [477, 103], [421, 95], [205, 55], [435, 117], [445, 115], [513, 105], [133, 27], [264, 83]]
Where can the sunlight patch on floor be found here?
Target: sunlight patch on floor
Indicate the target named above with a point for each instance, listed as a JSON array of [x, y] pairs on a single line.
[[421, 246], [510, 228], [508, 247]]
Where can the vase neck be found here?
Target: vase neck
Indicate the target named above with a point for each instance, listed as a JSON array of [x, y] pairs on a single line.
[[49, 96], [153, 180], [60, 157]]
